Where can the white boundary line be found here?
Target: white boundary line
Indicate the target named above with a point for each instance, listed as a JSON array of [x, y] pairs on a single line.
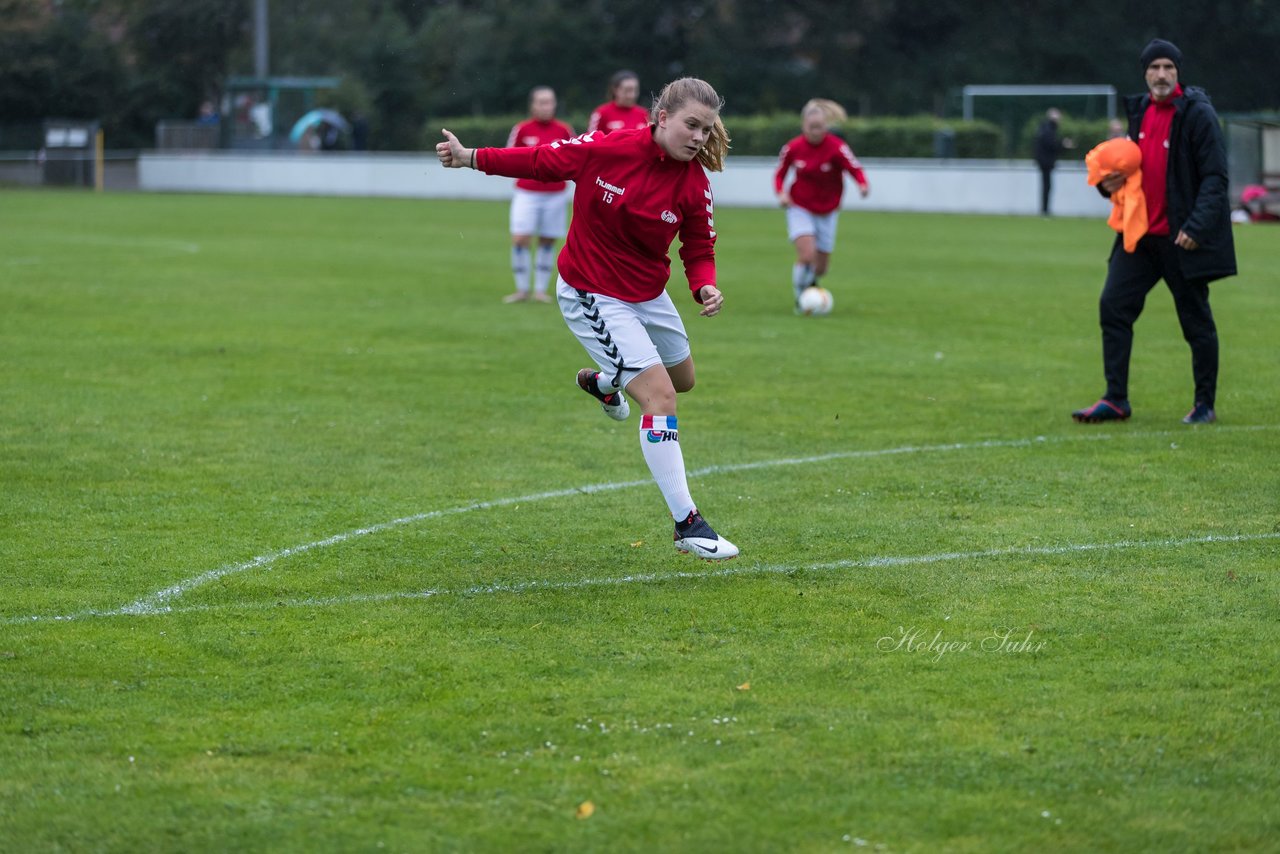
[[157, 602], [536, 586]]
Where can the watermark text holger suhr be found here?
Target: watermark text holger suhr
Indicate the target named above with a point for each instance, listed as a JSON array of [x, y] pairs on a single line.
[[935, 646]]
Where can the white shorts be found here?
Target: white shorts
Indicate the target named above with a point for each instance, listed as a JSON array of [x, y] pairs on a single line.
[[624, 338], [822, 227], [538, 214]]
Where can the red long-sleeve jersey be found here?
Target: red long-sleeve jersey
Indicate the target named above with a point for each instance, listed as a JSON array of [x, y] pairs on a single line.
[[534, 132], [819, 183], [630, 202], [1153, 142], [610, 117]]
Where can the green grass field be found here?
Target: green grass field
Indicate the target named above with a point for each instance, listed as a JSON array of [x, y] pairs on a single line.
[[310, 543]]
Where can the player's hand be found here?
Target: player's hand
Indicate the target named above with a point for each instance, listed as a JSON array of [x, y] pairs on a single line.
[[1112, 182], [784, 199], [864, 190], [451, 153], [1186, 241], [712, 300]]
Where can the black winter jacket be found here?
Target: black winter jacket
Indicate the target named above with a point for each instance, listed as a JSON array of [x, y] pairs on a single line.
[[1196, 183]]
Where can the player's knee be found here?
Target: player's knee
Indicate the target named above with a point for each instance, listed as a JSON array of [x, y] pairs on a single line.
[[662, 402], [683, 384]]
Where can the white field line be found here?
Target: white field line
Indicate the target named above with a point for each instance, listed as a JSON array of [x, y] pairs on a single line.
[[157, 602], [162, 243], [711, 573]]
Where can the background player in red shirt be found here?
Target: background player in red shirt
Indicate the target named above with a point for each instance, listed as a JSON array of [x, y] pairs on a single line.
[[635, 192], [537, 207], [820, 159], [620, 112]]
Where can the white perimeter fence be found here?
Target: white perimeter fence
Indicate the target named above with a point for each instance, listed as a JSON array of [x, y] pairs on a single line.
[[947, 186]]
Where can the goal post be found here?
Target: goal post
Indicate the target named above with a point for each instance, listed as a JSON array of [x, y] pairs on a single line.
[[1018, 105], [969, 93]]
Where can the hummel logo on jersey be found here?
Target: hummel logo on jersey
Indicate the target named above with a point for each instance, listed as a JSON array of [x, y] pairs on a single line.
[[610, 187], [669, 217], [656, 436]]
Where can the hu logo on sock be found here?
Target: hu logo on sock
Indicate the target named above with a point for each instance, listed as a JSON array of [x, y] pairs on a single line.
[[659, 428]]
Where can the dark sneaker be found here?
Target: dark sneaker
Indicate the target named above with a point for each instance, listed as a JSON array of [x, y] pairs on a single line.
[[695, 536], [614, 405], [1103, 410], [1199, 414]]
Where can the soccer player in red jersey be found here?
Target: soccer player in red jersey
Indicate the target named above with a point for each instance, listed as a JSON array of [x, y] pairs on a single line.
[[620, 112], [537, 207], [812, 201], [635, 192]]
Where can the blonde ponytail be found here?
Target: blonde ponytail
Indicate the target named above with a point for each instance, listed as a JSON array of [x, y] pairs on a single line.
[[713, 153]]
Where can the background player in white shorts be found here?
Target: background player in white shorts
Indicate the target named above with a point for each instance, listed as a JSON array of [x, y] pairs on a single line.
[[820, 159], [636, 190], [538, 207]]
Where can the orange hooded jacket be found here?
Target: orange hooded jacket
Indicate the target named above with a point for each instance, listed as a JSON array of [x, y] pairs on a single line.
[[1128, 204]]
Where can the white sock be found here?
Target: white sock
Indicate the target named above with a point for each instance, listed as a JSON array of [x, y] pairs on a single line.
[[660, 444], [544, 263], [801, 277], [520, 267]]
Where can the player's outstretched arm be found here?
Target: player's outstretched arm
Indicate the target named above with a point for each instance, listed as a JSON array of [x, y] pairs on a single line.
[[451, 153]]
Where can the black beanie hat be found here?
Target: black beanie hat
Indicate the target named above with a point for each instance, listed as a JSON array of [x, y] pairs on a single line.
[[1161, 49]]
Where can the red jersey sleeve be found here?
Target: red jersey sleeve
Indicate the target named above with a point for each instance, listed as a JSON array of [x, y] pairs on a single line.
[[784, 164], [849, 162], [698, 234], [594, 122], [556, 161]]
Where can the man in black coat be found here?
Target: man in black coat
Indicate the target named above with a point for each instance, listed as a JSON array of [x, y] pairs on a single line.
[[1188, 241], [1046, 147]]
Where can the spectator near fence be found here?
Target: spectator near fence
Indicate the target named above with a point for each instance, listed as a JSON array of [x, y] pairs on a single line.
[[1048, 147]]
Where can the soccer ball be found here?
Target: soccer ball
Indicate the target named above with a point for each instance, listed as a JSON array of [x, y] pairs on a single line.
[[815, 301]]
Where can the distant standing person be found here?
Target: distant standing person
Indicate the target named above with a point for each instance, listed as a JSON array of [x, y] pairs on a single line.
[[620, 112], [1188, 241], [812, 201], [208, 115], [636, 191], [538, 207], [1048, 147]]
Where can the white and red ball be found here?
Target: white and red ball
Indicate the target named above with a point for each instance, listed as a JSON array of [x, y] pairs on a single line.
[[816, 301]]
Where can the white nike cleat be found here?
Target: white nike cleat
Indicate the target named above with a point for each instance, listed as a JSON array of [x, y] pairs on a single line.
[[695, 536], [614, 405]]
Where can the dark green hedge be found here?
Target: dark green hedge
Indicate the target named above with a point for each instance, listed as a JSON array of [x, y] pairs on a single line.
[[764, 136], [1084, 133]]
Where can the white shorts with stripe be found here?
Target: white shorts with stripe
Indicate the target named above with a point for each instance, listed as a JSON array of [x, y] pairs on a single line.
[[539, 214], [624, 338], [822, 227]]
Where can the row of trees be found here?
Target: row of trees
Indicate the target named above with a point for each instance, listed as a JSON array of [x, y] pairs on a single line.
[[131, 62]]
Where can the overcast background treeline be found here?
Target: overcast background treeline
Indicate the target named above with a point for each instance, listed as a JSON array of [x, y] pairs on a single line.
[[129, 63]]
